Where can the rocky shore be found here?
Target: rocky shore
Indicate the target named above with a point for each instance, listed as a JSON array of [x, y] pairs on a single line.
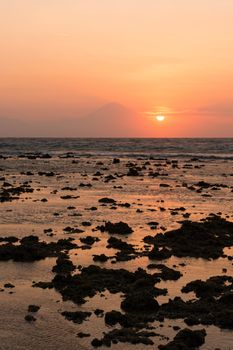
[[156, 235]]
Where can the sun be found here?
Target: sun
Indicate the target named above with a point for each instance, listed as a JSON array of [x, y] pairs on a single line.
[[160, 118]]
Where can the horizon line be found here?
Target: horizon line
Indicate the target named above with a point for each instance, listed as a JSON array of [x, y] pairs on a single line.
[[113, 137]]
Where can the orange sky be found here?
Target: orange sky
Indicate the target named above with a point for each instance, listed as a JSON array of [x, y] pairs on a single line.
[[65, 58]]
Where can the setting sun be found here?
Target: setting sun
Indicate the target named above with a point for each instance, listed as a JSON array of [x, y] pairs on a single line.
[[160, 118]]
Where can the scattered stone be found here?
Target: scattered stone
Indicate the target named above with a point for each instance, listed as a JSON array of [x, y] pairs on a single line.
[[133, 172], [99, 312], [33, 308], [83, 335], [107, 200], [30, 318], [9, 285], [68, 196], [72, 230]]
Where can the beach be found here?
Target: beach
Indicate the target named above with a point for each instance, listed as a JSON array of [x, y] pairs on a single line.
[[100, 219]]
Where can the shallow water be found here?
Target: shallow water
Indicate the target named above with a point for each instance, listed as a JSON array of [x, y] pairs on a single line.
[[29, 215]]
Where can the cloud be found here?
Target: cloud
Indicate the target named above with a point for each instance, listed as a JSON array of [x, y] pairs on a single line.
[[221, 109]]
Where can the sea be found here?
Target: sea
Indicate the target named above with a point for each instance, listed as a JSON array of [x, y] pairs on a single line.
[[51, 207], [206, 148]]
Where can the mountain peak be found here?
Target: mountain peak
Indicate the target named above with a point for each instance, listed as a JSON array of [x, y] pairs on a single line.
[[110, 120], [113, 106]]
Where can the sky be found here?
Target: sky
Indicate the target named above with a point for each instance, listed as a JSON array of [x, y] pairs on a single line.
[[62, 60]]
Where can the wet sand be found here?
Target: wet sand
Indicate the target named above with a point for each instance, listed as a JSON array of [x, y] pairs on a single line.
[[77, 200]]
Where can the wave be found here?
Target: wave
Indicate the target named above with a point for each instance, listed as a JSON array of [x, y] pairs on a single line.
[[157, 148]]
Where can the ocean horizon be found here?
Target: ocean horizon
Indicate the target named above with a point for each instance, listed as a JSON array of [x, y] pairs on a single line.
[[155, 147]]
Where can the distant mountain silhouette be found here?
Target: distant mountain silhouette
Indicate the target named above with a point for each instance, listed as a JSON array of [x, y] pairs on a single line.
[[111, 120]]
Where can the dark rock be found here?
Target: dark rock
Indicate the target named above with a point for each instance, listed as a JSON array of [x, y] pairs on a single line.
[[117, 243], [192, 321], [68, 196], [86, 223], [116, 228], [85, 185], [94, 279], [100, 258], [33, 308], [140, 302], [166, 272], [133, 172], [63, 265], [99, 312], [96, 343], [113, 317], [13, 193], [214, 305], [107, 200], [205, 239], [72, 230], [30, 249], [186, 340], [30, 318], [127, 335], [159, 254], [9, 285], [89, 240], [76, 317], [83, 335], [69, 188]]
